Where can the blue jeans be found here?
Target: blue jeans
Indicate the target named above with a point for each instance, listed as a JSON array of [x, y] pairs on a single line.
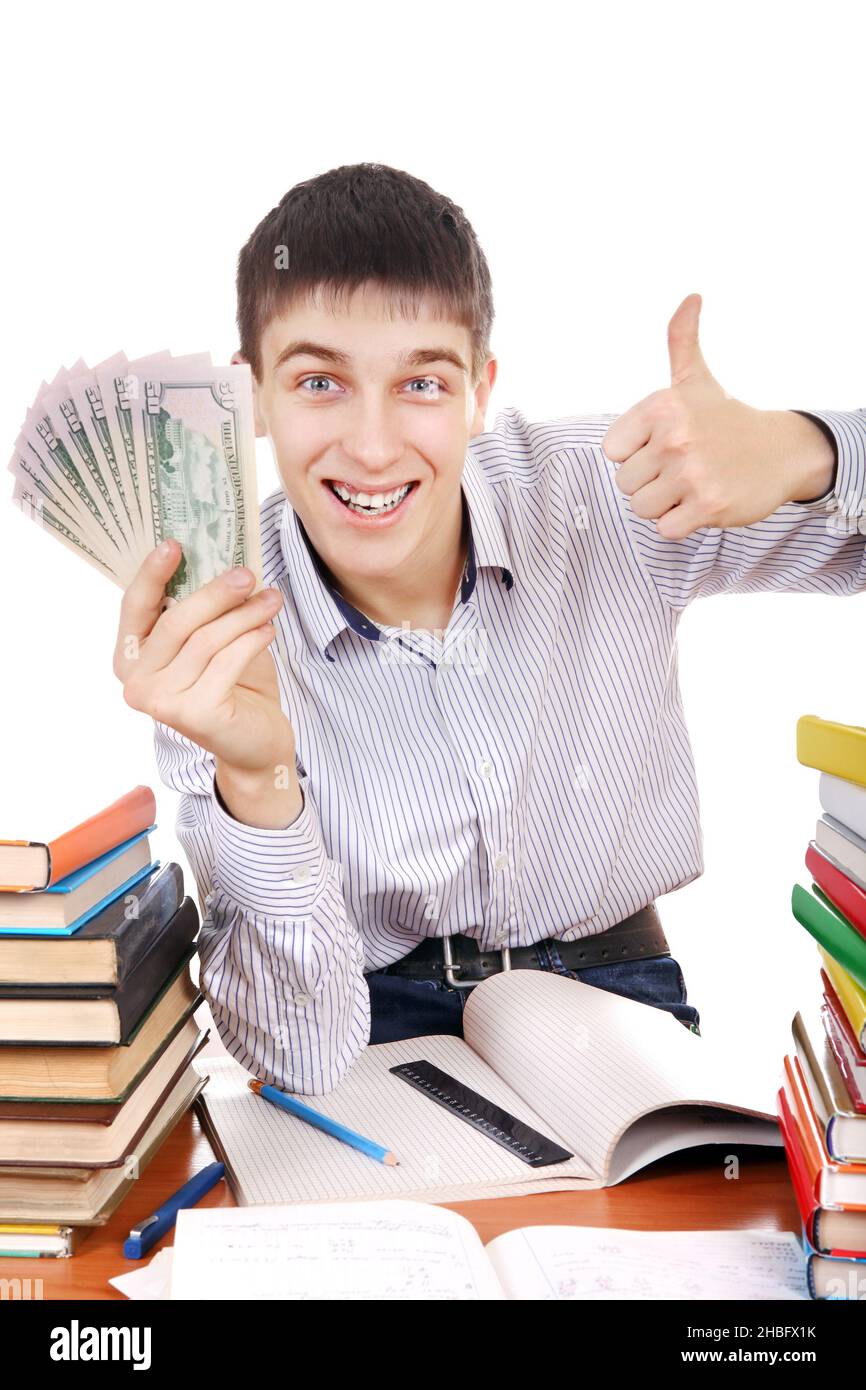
[[403, 1008]]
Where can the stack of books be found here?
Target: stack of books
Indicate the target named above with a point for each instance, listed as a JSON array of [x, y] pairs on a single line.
[[97, 1026], [822, 1101]]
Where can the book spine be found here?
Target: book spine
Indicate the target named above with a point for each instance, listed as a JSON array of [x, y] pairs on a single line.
[[844, 894], [157, 900], [839, 749], [93, 837], [831, 929], [141, 986]]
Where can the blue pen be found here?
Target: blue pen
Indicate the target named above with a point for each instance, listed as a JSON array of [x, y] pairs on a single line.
[[324, 1122], [145, 1235]]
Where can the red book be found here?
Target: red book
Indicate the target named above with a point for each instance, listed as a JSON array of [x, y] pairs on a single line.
[[846, 895], [849, 1226], [831, 1182], [838, 1024], [853, 1076]]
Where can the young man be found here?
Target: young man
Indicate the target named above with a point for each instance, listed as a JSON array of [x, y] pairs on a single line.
[[447, 737]]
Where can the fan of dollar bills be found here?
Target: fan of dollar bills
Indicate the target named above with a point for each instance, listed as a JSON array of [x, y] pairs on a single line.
[[113, 459]]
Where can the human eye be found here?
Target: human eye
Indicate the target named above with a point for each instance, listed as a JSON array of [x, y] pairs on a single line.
[[426, 381], [306, 381]]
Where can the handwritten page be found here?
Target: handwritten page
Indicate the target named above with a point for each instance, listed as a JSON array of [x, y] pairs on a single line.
[[376, 1250], [412, 1250], [582, 1262], [272, 1157]]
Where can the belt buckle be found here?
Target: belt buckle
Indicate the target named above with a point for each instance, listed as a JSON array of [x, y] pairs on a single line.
[[451, 966]]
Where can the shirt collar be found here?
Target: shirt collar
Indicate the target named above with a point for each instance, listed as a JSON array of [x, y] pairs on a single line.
[[327, 613]]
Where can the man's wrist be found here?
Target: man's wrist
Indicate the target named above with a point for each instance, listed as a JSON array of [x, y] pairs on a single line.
[[269, 799], [813, 458]]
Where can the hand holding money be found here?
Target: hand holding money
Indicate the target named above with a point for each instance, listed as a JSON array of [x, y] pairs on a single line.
[[202, 667], [113, 460]]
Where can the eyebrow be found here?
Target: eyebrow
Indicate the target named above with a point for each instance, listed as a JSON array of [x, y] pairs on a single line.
[[419, 357]]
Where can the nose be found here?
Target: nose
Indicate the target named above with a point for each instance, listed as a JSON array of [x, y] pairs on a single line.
[[372, 439]]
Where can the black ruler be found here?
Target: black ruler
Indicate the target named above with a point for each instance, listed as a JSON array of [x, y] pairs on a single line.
[[504, 1129]]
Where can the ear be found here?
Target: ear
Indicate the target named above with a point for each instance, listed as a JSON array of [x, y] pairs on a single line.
[[261, 428], [480, 398]]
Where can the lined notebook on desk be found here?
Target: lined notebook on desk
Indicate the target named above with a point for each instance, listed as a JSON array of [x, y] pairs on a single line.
[[616, 1083]]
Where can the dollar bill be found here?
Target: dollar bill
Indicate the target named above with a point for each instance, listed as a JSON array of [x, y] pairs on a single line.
[[89, 408], [194, 435], [113, 460], [32, 504]]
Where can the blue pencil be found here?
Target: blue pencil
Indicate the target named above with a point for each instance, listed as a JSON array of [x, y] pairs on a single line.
[[312, 1117]]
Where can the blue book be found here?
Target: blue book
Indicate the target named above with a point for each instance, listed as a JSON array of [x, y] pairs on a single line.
[[63, 909], [834, 1277]]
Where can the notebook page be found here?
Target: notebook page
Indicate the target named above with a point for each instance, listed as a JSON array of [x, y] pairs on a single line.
[[348, 1250], [593, 1061], [150, 1283], [582, 1262], [274, 1157], [684, 1127]]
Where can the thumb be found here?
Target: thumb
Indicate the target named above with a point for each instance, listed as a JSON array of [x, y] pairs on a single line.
[[260, 674], [686, 359]]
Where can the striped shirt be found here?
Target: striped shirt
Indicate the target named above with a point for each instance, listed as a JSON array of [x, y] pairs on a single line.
[[525, 774]]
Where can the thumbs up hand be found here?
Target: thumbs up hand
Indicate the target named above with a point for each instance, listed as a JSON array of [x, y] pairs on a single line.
[[693, 456]]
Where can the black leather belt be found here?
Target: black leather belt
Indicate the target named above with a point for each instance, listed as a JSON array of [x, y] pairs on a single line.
[[458, 961]]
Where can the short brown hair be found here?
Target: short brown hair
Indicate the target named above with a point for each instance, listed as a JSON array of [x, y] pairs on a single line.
[[364, 222]]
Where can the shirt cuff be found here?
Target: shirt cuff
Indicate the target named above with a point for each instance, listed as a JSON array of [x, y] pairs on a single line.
[[275, 872], [846, 430]]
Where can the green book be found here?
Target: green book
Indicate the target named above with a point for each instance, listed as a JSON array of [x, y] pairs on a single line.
[[831, 928]]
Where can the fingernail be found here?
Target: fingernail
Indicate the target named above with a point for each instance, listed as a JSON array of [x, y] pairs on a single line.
[[165, 548], [239, 579]]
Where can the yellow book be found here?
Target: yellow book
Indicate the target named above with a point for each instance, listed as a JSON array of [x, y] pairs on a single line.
[[29, 1230], [851, 996], [32, 1241], [839, 749]]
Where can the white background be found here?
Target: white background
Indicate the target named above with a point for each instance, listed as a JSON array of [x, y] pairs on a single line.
[[612, 159]]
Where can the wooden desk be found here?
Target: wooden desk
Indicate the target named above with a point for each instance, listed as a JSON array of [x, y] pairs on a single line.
[[682, 1192]]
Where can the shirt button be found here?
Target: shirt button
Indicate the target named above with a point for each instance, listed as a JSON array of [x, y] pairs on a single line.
[[501, 936], [302, 874], [485, 767], [302, 999], [501, 861]]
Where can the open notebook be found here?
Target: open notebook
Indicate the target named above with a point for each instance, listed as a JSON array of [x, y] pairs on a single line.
[[410, 1250], [616, 1083]]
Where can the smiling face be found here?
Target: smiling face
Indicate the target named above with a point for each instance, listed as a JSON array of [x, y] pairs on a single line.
[[369, 416]]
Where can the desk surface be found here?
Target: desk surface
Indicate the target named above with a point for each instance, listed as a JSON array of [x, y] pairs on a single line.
[[681, 1192]]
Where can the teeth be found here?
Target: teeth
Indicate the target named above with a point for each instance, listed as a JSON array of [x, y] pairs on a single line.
[[370, 504]]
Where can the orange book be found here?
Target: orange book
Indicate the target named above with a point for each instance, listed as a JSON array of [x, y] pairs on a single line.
[[28, 866], [831, 1183]]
